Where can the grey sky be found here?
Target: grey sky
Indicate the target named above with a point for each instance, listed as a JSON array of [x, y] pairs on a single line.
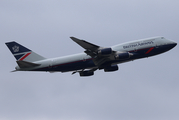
[[143, 89]]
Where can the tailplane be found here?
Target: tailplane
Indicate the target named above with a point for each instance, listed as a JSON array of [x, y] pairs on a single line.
[[22, 53], [25, 64]]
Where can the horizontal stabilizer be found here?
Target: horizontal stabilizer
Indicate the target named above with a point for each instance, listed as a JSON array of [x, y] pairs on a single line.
[[14, 71], [25, 64]]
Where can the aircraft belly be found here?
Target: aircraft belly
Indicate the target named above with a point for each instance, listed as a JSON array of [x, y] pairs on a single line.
[[74, 66]]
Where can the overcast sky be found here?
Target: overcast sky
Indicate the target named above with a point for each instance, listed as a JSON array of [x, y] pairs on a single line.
[[143, 89]]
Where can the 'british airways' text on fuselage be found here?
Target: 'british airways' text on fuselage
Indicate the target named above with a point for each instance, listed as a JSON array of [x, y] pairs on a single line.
[[138, 44]]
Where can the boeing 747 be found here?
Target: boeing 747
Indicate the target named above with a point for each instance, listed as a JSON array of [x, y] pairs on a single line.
[[94, 57]]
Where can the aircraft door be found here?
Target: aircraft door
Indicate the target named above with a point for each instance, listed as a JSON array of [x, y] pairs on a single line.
[[51, 63], [135, 49], [156, 46], [84, 59]]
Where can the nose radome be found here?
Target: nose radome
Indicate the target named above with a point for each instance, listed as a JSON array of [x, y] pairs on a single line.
[[173, 44]]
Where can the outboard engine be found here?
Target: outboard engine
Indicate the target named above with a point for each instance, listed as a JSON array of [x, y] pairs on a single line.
[[105, 51], [122, 55], [86, 73]]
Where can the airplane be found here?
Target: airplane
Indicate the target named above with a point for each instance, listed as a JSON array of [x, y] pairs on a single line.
[[94, 57]]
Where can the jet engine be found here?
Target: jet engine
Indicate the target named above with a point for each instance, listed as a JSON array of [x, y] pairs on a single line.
[[111, 68], [86, 73], [122, 55], [105, 51]]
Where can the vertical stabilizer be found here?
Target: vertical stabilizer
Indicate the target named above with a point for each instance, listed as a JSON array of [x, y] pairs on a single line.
[[22, 53]]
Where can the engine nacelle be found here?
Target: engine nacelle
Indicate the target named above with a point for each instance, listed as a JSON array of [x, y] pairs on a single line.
[[122, 55], [111, 68], [86, 73], [105, 51]]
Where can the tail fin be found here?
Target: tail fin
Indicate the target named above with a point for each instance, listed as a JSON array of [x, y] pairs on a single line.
[[22, 53]]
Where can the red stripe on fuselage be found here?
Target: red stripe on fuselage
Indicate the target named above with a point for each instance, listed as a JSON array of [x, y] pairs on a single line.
[[149, 50], [25, 56]]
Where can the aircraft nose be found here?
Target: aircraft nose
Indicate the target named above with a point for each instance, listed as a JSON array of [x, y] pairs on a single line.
[[171, 43], [174, 44]]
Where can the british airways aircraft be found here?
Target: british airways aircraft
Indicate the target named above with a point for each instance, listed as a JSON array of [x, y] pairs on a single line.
[[94, 57]]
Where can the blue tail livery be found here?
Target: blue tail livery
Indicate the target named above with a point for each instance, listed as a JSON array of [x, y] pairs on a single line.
[[22, 53]]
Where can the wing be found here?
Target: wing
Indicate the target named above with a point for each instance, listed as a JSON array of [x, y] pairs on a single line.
[[93, 51]]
